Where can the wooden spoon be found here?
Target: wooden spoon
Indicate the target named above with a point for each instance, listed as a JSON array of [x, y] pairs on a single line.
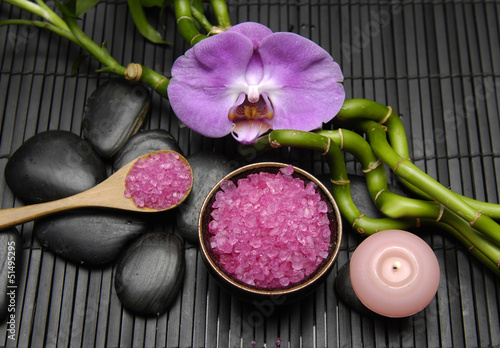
[[107, 194]]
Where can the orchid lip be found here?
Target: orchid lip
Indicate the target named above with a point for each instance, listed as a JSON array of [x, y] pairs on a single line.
[[250, 119], [245, 108], [247, 131]]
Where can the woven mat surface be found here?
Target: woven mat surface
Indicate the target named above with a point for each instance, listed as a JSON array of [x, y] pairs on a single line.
[[436, 62]]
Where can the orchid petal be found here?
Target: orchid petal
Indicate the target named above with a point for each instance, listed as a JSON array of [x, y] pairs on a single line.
[[247, 131], [304, 82], [256, 32], [205, 75]]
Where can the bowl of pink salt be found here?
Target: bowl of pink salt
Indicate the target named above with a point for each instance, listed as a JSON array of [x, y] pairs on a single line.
[[269, 229]]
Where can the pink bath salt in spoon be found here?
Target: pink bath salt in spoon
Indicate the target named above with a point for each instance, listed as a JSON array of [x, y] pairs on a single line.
[[159, 181], [151, 183]]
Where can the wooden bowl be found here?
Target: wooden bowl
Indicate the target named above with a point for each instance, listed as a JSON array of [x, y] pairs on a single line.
[[280, 295]]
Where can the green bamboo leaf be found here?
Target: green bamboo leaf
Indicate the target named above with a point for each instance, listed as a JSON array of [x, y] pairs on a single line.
[[67, 8], [75, 8], [83, 6], [198, 4], [105, 52], [142, 24], [40, 24], [106, 70]]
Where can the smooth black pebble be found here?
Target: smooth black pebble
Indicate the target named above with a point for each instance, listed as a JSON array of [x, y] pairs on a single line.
[[145, 142], [91, 237], [113, 113], [53, 165], [150, 273]]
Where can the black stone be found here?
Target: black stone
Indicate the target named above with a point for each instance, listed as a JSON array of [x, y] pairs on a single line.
[[114, 112], [150, 273], [53, 165], [344, 290], [91, 237], [208, 168], [145, 142]]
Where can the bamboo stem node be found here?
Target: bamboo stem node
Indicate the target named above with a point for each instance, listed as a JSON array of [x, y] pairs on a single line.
[[389, 113], [441, 211], [273, 142], [216, 30], [340, 182], [476, 217], [356, 221], [184, 17], [373, 166], [194, 38], [160, 82], [327, 147], [341, 139], [400, 161], [133, 72], [378, 194]]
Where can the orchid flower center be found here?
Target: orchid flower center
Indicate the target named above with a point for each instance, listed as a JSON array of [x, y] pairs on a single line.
[[251, 115]]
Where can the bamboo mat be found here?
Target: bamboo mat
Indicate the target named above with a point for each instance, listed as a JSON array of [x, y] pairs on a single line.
[[437, 63]]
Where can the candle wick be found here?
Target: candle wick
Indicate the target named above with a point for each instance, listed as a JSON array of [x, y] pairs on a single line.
[[396, 266]]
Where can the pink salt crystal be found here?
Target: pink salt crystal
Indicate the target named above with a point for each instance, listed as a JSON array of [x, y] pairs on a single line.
[[310, 188], [227, 185], [322, 207], [287, 170], [158, 181], [284, 281], [270, 243]]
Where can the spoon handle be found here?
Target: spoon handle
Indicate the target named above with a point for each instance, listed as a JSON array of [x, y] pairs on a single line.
[[15, 216]]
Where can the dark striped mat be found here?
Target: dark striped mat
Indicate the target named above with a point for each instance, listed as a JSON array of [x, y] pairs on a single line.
[[436, 62]]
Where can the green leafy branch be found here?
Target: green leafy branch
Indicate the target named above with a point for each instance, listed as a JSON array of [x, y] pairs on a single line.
[[189, 15]]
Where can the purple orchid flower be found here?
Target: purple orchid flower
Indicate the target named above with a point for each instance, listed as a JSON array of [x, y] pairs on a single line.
[[248, 80]]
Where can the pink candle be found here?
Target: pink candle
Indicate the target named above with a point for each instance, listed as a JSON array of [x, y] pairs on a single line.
[[394, 273]]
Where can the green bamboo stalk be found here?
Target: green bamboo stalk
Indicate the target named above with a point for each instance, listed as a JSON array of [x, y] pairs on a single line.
[[98, 52], [475, 237], [471, 248], [43, 25], [355, 109], [221, 13], [185, 22], [68, 28], [41, 10], [411, 173], [355, 144], [142, 24], [138, 72], [201, 19], [389, 203], [395, 206]]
